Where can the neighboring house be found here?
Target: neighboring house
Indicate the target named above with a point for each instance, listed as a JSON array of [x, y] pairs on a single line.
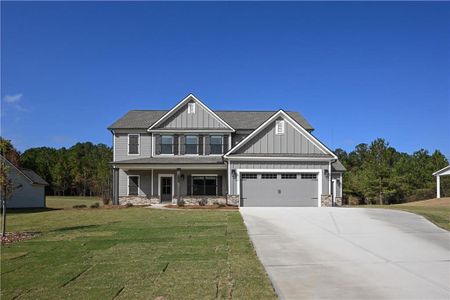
[[442, 172], [245, 158], [28, 187]]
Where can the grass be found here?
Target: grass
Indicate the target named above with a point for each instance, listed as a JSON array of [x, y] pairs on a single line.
[[134, 253], [70, 201], [435, 210]]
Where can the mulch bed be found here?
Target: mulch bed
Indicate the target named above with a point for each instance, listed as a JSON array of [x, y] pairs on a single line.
[[227, 207], [12, 237]]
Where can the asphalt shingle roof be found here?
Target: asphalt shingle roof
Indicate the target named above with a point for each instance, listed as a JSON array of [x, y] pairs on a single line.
[[250, 120], [35, 178]]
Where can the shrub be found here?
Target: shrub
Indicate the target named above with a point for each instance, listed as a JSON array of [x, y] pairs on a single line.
[[129, 204], [181, 203], [203, 202], [105, 200], [79, 206], [95, 205], [221, 205]]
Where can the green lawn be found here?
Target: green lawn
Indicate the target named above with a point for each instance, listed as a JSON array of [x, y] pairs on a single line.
[[134, 253], [69, 201], [435, 210]]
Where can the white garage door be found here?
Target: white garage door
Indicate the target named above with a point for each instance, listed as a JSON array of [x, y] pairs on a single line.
[[279, 189]]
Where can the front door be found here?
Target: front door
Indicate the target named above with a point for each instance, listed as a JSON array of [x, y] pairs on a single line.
[[166, 189]]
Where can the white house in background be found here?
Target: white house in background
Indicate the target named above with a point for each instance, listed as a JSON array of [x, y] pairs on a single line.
[[442, 172], [28, 187]]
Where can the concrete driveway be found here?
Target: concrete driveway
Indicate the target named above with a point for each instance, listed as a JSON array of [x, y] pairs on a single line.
[[350, 253]]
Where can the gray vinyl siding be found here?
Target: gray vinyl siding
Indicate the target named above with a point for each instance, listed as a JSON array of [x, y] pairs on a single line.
[[144, 183], [291, 142], [121, 146], [146, 175], [279, 165], [28, 195], [201, 119]]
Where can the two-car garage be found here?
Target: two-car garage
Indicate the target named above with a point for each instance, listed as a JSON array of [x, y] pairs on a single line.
[[279, 189]]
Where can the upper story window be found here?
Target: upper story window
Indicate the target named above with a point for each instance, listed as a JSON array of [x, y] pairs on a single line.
[[133, 144], [216, 142], [191, 108], [191, 144], [280, 127], [167, 144]]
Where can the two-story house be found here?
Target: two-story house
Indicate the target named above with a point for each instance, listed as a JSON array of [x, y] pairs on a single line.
[[245, 158]]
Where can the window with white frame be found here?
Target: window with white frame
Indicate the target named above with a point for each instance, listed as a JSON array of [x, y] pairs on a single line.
[[279, 127], [204, 185], [133, 143], [167, 144], [133, 185], [216, 144], [191, 108], [191, 144]]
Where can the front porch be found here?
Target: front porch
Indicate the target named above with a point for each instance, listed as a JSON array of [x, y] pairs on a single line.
[[168, 185]]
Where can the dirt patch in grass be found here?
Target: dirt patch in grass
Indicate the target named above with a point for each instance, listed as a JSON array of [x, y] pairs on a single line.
[[12, 237], [431, 202], [226, 207]]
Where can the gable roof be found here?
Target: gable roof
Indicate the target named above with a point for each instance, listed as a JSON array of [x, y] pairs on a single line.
[[27, 173], [443, 171], [239, 120], [177, 107], [294, 123]]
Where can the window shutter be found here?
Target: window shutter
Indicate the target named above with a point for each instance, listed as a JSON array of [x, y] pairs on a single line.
[[207, 145], [175, 144], [189, 185], [219, 186], [200, 145], [225, 144], [182, 145], [158, 144]]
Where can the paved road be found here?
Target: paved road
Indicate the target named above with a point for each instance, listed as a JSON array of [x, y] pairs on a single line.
[[350, 253]]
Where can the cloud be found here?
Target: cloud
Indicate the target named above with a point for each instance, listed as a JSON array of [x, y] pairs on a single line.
[[14, 101], [12, 98]]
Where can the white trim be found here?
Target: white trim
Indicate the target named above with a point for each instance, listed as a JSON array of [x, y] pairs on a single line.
[[139, 144], [229, 178], [443, 170], [173, 183], [153, 145], [334, 192], [294, 124], [329, 178], [128, 184], [340, 184], [319, 173], [172, 131], [180, 104], [171, 167], [229, 143], [204, 175], [114, 145], [438, 186], [312, 159]]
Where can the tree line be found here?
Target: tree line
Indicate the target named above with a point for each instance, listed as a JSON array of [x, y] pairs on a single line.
[[377, 173], [81, 170]]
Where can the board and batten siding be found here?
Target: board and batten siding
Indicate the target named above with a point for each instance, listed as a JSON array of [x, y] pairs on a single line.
[[28, 195], [121, 145], [201, 119], [291, 142], [279, 165]]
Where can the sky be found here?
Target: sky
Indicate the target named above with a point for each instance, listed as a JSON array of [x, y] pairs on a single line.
[[355, 70]]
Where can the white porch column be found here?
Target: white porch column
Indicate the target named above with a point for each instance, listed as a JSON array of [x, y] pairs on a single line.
[[438, 186]]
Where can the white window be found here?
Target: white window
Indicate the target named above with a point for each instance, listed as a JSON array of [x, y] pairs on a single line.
[[167, 144], [133, 144], [191, 108], [279, 128], [191, 144]]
